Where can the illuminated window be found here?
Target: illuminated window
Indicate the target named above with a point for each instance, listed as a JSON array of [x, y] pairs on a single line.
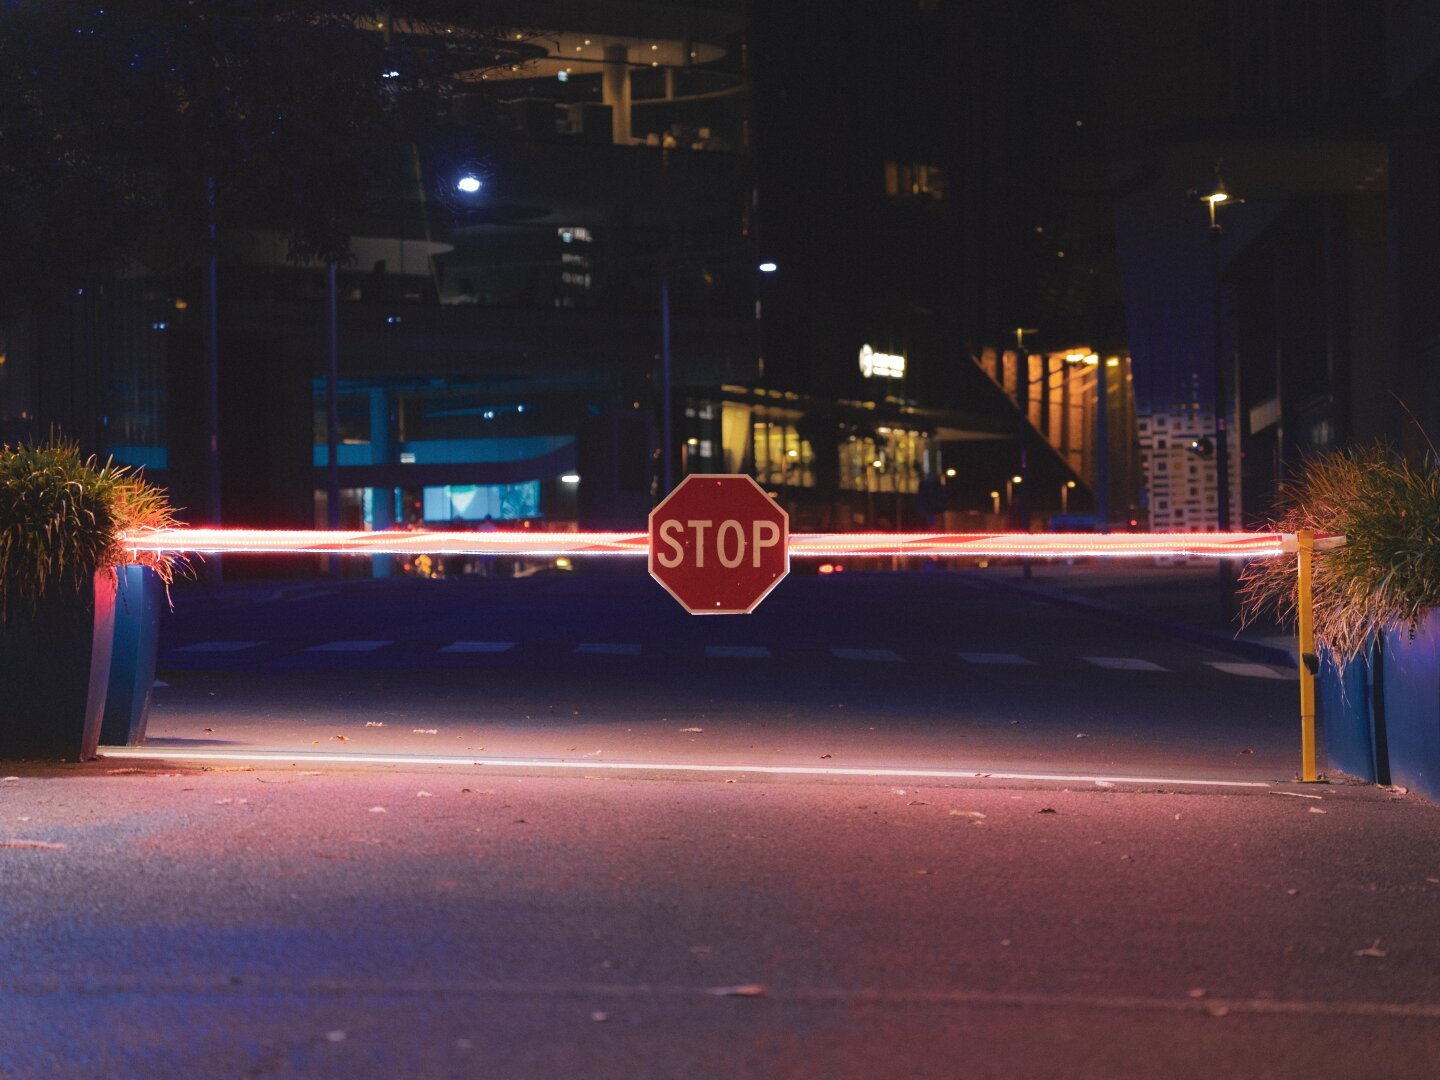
[[911, 180], [782, 457], [888, 460]]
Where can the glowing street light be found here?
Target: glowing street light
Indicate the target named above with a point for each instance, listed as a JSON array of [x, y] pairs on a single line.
[[768, 267], [468, 184]]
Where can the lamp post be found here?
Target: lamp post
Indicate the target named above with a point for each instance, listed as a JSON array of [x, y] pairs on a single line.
[[1065, 489], [1215, 196]]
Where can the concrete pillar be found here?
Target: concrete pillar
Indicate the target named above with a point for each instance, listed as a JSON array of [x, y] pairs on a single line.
[[615, 92], [382, 501]]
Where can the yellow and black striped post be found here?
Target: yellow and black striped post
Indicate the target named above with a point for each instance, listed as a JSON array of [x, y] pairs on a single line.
[[1304, 609]]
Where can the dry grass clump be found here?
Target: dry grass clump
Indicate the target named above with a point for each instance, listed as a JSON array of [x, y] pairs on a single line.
[[1388, 571], [61, 519]]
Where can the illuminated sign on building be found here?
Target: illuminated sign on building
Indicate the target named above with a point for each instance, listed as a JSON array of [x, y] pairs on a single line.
[[879, 365]]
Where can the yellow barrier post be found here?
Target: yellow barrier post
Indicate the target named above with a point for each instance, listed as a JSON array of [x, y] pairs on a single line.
[[1305, 544]]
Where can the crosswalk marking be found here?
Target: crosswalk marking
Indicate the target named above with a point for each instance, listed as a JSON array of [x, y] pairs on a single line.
[[348, 646], [1254, 671], [880, 655], [603, 648], [1123, 663], [736, 652], [993, 658], [478, 647], [220, 646]]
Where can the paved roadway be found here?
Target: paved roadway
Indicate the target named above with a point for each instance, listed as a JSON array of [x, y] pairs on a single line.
[[305, 919], [916, 670]]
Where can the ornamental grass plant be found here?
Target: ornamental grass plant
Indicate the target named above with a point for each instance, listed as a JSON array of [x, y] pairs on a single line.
[[61, 520], [1387, 573]]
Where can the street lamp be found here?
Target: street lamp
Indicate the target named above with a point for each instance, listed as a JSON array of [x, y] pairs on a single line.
[[469, 184], [1065, 490], [1214, 196]]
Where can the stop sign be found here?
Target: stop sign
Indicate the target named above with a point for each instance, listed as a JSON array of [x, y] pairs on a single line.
[[719, 544]]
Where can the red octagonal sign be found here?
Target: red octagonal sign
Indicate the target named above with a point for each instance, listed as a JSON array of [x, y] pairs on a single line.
[[719, 544]]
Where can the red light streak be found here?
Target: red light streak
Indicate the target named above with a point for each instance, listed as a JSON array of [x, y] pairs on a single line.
[[1233, 545]]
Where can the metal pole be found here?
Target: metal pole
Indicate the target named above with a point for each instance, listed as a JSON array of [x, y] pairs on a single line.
[[1222, 434], [332, 423], [666, 419], [1304, 607], [212, 377], [1102, 445], [1222, 404]]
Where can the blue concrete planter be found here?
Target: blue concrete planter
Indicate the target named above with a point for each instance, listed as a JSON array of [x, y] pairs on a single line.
[[1411, 679], [138, 602], [55, 669], [1347, 717]]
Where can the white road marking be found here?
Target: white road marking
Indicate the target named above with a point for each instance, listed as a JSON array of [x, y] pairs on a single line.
[[1123, 663], [349, 646], [874, 655], [285, 759], [219, 646], [478, 647], [736, 652], [993, 658], [602, 648], [1254, 671]]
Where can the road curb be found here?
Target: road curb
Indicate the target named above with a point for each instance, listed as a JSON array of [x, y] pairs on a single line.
[[1250, 650]]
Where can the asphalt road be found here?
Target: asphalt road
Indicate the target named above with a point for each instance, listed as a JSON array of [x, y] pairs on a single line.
[[300, 918], [937, 671]]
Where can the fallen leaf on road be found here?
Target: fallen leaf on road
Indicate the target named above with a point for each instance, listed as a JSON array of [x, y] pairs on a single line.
[[424, 731], [899, 791], [691, 730], [374, 723], [826, 757], [1292, 892], [8, 779], [36, 845], [208, 730], [1082, 735], [340, 738], [1316, 810], [423, 795], [377, 809], [1247, 751], [1373, 950], [743, 990], [1047, 810], [916, 802], [729, 781], [1196, 992], [572, 748], [962, 813]]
